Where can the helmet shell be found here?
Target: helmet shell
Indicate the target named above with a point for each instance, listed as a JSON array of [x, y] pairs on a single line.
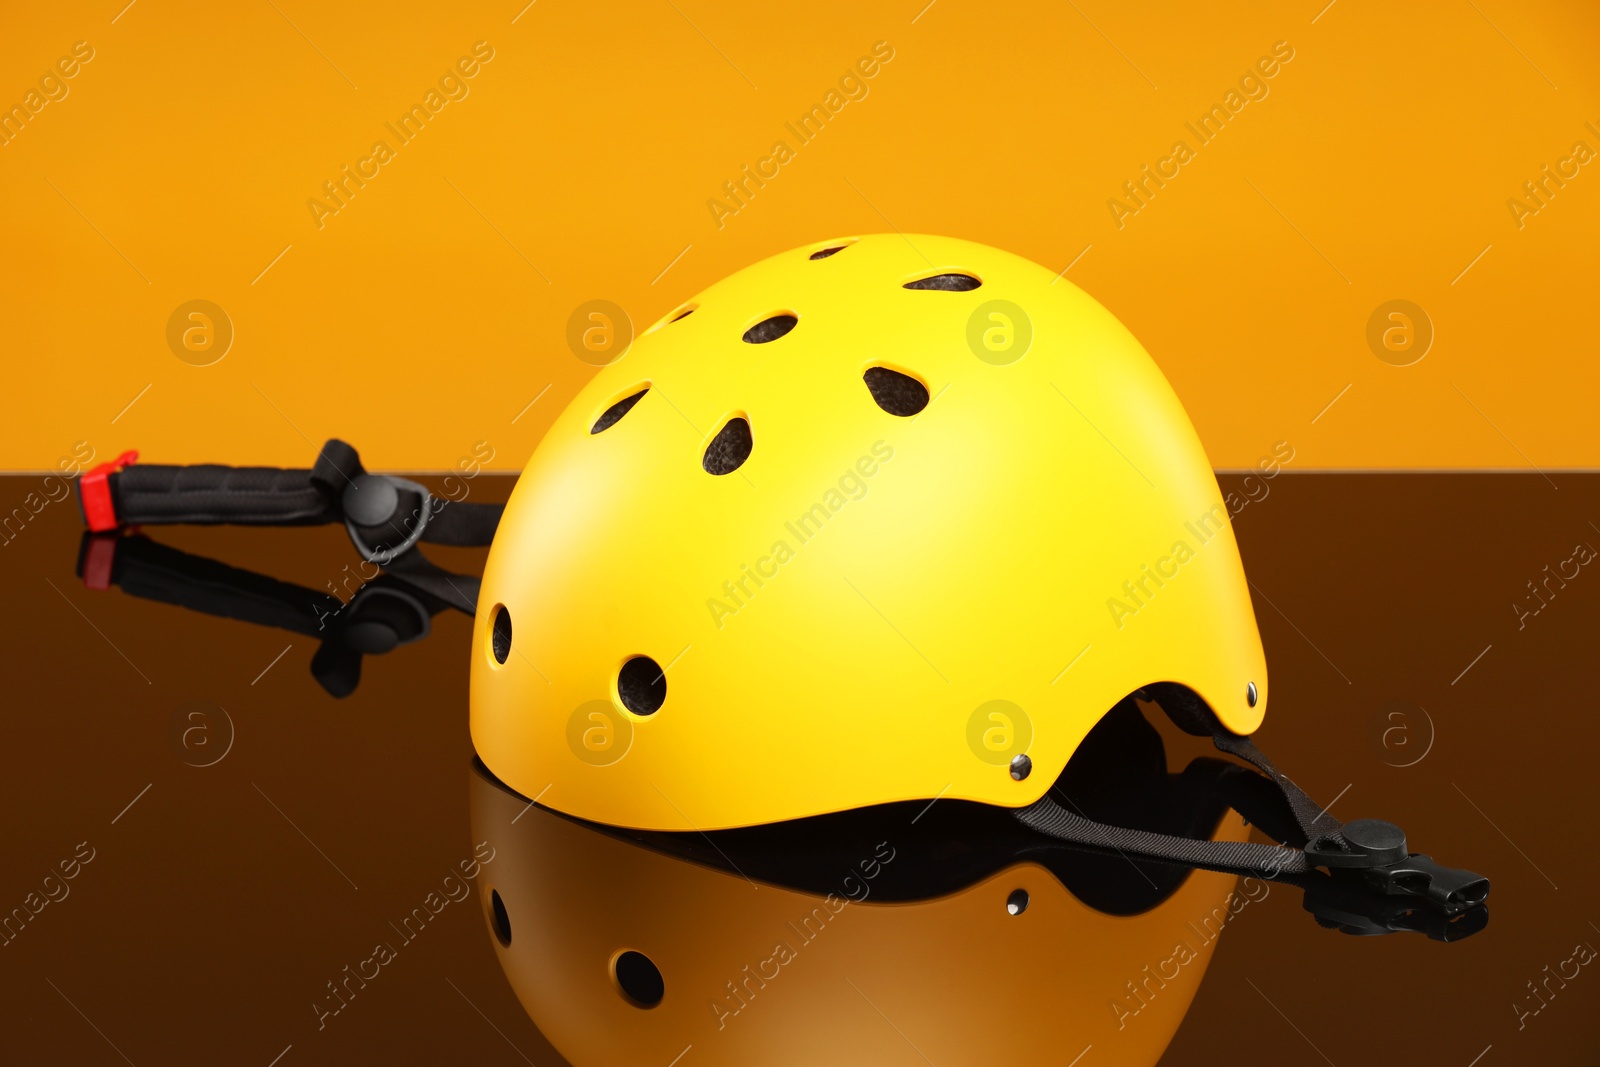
[[836, 619]]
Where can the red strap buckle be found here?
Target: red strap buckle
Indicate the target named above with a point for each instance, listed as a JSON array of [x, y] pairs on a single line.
[[94, 490]]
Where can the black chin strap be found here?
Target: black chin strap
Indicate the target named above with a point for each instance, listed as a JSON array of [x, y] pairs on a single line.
[[387, 516], [387, 519], [1370, 852]]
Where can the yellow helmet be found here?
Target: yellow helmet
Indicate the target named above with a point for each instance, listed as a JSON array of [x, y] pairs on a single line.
[[871, 923], [884, 520], [879, 519]]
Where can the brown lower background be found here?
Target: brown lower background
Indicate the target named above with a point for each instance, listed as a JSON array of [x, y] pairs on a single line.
[[207, 922]]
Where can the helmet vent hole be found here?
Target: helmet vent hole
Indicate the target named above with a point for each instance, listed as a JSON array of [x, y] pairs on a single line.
[[949, 283], [770, 329], [685, 313], [639, 979], [826, 252], [729, 449], [613, 414], [499, 919], [898, 394], [642, 685], [500, 635]]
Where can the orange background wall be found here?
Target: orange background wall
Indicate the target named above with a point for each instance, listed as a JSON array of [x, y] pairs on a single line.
[[429, 312]]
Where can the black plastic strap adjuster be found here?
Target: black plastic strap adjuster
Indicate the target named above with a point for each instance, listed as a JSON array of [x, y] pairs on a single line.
[[1376, 851], [371, 500], [1449, 888], [1344, 903]]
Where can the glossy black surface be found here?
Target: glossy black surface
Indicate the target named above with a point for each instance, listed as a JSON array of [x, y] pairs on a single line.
[[238, 835]]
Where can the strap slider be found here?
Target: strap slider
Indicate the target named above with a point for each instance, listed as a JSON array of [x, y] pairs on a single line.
[[372, 500], [1361, 843], [94, 493]]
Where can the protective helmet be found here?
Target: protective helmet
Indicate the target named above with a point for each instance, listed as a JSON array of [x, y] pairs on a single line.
[[631, 947], [841, 499], [879, 519]]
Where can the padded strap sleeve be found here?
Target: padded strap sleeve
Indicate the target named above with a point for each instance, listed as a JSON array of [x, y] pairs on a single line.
[[151, 494]]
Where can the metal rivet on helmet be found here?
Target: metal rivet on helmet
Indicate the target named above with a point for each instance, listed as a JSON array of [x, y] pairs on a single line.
[[1250, 694], [1017, 902], [1021, 766]]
